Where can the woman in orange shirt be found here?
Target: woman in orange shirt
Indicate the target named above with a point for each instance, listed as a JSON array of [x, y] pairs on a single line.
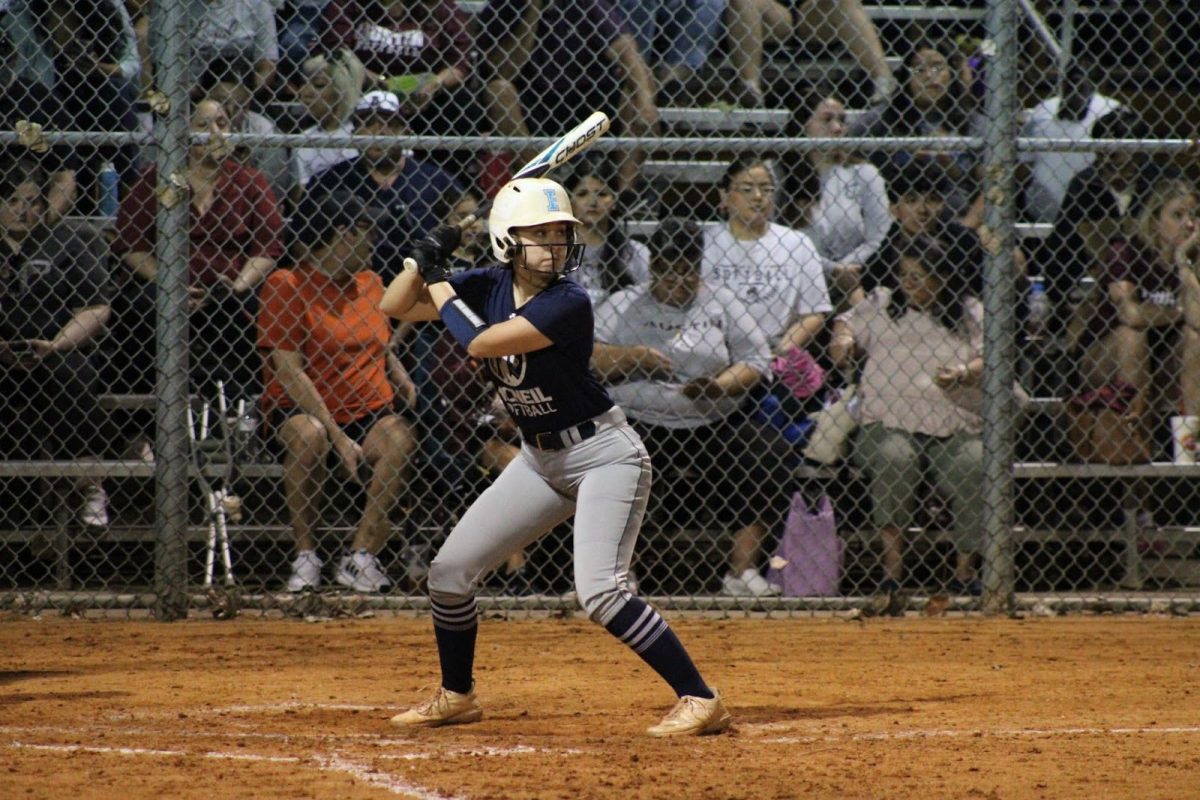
[[329, 378]]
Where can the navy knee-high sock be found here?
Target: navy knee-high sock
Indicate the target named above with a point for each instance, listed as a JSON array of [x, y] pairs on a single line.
[[647, 634], [454, 627]]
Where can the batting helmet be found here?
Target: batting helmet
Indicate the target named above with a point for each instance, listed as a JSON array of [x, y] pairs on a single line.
[[522, 203]]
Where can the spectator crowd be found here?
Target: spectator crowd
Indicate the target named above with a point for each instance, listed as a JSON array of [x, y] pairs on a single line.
[[855, 267]]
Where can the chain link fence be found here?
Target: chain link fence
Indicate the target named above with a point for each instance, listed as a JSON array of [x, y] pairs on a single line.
[[902, 298]]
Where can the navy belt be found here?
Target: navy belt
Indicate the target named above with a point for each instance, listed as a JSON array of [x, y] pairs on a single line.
[[557, 440]]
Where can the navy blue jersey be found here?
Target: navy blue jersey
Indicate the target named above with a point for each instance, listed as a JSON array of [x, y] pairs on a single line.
[[548, 389]]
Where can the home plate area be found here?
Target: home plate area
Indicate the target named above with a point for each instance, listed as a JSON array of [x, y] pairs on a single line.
[[823, 708]]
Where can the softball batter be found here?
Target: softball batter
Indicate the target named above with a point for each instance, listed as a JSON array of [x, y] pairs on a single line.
[[533, 329]]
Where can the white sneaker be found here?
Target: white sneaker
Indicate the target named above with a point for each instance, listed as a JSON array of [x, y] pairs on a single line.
[[694, 716], [94, 511], [1144, 521], [362, 572], [748, 584], [760, 586], [733, 586], [306, 572]]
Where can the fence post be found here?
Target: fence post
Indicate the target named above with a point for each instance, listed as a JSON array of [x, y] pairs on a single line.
[[999, 301], [171, 325]]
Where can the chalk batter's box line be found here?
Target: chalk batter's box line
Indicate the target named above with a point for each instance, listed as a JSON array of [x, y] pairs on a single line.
[[399, 786], [326, 763]]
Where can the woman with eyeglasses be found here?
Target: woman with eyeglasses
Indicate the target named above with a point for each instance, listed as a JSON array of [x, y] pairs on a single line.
[[932, 101], [682, 357], [778, 276], [774, 270]]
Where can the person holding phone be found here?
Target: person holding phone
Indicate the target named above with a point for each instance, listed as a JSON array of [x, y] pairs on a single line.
[[234, 230], [53, 304]]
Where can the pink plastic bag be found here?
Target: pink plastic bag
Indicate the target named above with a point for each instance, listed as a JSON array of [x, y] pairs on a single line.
[[808, 561]]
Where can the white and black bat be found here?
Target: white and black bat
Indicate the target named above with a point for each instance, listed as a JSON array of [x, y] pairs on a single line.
[[562, 150]]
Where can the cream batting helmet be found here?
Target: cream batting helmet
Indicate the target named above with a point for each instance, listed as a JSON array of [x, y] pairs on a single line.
[[522, 203]]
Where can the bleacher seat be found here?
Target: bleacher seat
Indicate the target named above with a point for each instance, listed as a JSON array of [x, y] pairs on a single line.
[[644, 228]]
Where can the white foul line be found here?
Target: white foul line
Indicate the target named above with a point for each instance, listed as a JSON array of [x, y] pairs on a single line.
[[286, 705], [146, 751], [367, 738], [995, 733], [363, 739], [480, 750]]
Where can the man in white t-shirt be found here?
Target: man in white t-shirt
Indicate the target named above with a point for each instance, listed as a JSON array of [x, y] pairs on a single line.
[[681, 355], [1067, 117]]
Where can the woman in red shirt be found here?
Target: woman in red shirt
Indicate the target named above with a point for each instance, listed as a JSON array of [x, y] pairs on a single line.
[[235, 236]]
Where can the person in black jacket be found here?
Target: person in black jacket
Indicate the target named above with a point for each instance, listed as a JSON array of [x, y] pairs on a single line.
[[408, 194]]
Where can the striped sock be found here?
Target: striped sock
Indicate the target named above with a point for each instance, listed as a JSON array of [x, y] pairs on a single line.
[[454, 627], [647, 634]]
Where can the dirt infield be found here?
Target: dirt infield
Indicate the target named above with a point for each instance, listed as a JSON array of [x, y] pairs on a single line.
[[824, 708]]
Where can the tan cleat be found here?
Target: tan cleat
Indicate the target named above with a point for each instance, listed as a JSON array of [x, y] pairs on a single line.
[[444, 708], [694, 716]]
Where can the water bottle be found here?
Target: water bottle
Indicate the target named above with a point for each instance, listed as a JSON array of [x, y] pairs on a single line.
[[110, 187], [1039, 308], [247, 435], [1040, 361], [1081, 292]]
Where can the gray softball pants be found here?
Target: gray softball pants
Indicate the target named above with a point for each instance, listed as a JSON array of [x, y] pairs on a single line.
[[604, 481]]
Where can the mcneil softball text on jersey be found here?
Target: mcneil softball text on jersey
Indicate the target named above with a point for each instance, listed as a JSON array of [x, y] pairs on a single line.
[[527, 402]]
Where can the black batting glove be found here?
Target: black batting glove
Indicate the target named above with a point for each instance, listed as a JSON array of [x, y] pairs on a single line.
[[443, 240], [430, 267], [433, 250]]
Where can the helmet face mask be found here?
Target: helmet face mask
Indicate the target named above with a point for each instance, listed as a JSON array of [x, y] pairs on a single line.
[[571, 250], [525, 203]]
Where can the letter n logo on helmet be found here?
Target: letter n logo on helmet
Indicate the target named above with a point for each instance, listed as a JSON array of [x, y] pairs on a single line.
[[551, 198]]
